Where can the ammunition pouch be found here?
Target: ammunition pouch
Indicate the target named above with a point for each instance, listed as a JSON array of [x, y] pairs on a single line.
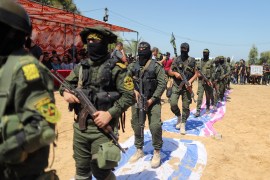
[[19, 139], [108, 155], [105, 100]]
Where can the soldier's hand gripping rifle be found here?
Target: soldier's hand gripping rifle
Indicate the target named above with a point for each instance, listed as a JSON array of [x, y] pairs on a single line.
[[206, 80], [88, 108], [186, 83]]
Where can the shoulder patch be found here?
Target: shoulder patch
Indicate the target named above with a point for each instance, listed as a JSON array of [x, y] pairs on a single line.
[[128, 83], [121, 65], [48, 110], [31, 72]]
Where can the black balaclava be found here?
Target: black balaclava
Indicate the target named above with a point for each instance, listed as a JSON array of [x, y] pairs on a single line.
[[144, 53], [221, 60], [10, 39], [98, 51], [206, 54], [184, 53], [228, 59]]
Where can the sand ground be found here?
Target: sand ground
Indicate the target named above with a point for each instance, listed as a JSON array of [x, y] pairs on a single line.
[[242, 153]]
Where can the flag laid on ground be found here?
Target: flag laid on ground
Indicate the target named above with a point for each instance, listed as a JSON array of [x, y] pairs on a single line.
[[180, 159], [199, 126]]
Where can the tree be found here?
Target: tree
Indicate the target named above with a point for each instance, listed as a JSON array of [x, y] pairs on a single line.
[[253, 55], [265, 57], [131, 46], [62, 4]]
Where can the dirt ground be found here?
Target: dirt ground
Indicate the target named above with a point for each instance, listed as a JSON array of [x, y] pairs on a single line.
[[242, 153]]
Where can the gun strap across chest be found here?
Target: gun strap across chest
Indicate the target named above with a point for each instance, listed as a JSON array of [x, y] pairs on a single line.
[[145, 67], [6, 73]]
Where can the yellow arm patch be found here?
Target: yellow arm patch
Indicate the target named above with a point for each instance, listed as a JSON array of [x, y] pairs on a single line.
[[30, 72], [48, 110], [128, 83], [121, 65]]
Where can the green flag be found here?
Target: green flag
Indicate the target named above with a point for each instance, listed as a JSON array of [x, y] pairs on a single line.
[[173, 41]]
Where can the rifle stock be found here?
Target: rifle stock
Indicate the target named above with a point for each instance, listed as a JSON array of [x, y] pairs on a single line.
[[88, 108]]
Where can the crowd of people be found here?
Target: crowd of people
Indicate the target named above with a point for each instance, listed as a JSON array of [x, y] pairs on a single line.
[[241, 74]]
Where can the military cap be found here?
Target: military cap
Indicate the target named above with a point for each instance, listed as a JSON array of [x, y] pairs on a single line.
[[145, 45], [100, 32], [185, 45], [206, 51]]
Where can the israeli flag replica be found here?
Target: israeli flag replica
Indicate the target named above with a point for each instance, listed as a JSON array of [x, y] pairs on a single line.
[[180, 159]]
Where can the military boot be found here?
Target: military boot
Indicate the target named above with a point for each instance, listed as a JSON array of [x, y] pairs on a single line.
[[183, 128], [179, 121], [138, 154], [215, 108], [155, 162], [197, 114], [207, 111]]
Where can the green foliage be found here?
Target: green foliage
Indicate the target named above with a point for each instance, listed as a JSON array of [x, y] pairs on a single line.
[[131, 46], [62, 4], [265, 57], [253, 55]]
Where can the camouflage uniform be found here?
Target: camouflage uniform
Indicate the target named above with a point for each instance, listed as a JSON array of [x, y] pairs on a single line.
[[223, 81], [206, 67], [101, 78], [189, 68], [216, 79]]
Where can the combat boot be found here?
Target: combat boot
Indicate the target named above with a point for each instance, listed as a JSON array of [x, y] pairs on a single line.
[[179, 121], [207, 111], [138, 154], [215, 108], [183, 128], [155, 162], [197, 114]]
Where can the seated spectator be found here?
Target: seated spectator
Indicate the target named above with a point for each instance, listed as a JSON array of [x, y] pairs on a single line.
[[55, 63], [46, 60], [66, 63]]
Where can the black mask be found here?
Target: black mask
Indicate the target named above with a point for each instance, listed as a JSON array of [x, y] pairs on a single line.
[[10, 39], [205, 56], [144, 56], [221, 61], [184, 55], [97, 51]]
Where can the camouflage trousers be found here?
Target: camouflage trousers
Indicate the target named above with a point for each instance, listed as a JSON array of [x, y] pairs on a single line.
[[154, 120], [186, 101], [85, 146], [203, 87]]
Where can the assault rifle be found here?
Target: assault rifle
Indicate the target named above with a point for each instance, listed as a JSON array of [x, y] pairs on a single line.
[[205, 79], [88, 108], [186, 83], [142, 106]]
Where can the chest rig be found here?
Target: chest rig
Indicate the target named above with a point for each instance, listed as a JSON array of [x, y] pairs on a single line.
[[186, 66], [98, 83], [147, 76]]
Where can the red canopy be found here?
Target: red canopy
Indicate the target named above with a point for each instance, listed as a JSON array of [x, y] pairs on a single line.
[[57, 29]]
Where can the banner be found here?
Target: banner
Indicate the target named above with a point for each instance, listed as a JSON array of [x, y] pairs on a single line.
[[256, 70]]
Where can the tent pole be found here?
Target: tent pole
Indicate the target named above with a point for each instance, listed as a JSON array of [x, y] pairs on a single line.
[[136, 44], [73, 48]]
